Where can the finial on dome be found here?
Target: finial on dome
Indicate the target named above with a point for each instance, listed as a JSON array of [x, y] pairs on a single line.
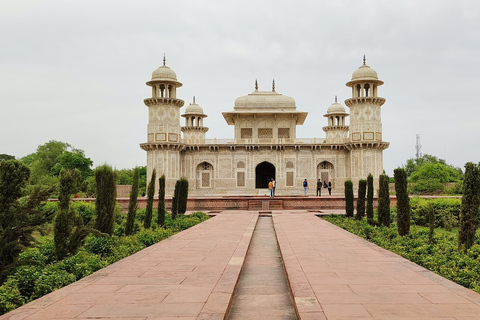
[[335, 98], [193, 99], [256, 85], [364, 60], [164, 59], [273, 85]]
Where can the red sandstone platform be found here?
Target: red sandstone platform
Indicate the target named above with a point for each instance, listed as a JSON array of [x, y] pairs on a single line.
[[333, 275]]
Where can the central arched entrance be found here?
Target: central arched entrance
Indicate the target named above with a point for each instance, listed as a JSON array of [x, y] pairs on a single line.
[[264, 172]]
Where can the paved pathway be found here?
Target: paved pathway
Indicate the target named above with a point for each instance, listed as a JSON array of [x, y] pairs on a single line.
[[333, 275]]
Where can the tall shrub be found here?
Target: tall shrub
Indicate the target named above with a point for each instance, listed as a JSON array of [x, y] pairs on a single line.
[[150, 194], [470, 202], [161, 201], [403, 201], [19, 216], [384, 200], [105, 199], [132, 204], [349, 198], [370, 199], [176, 195], [362, 189], [183, 196]]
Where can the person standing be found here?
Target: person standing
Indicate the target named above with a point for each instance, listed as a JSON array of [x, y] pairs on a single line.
[[305, 186], [274, 186], [329, 188], [270, 188], [319, 188]]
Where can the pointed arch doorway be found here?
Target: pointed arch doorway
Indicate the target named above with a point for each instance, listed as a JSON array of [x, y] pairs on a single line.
[[264, 172]]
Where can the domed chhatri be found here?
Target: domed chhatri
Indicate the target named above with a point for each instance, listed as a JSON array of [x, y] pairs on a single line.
[[193, 108], [264, 145], [365, 73], [164, 73]]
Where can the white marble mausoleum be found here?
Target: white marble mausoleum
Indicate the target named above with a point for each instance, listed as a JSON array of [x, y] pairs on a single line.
[[265, 144]]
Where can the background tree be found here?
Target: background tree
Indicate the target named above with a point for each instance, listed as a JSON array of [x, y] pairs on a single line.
[[4, 156], [384, 200], [470, 203], [19, 216], [74, 159], [150, 195], [105, 199], [161, 201], [349, 207], [403, 201], [370, 200], [176, 195], [132, 204], [69, 229], [183, 196], [362, 189]]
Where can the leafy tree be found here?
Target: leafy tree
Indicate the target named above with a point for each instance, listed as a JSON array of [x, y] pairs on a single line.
[[45, 158], [105, 199], [161, 201], [403, 201], [20, 215], [470, 203], [4, 156], [362, 189], [176, 196], [370, 200], [132, 204], [438, 171], [384, 200], [74, 159], [349, 208], [69, 228], [183, 196], [414, 164], [151, 193]]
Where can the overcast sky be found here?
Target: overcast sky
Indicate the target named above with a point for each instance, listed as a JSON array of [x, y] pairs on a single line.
[[75, 71]]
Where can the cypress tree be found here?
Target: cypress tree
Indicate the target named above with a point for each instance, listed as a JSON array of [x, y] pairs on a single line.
[[362, 189], [161, 201], [132, 204], [349, 198], [403, 201], [176, 195], [384, 200], [431, 222], [470, 202], [106, 199], [370, 200], [19, 218], [183, 196], [150, 194]]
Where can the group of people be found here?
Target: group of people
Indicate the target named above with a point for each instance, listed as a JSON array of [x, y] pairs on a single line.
[[272, 184], [320, 185]]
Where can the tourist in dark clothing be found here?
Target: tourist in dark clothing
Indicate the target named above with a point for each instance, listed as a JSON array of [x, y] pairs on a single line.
[[319, 188], [329, 188]]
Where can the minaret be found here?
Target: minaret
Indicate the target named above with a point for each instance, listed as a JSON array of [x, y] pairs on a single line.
[[194, 131], [163, 130], [337, 128], [365, 140]]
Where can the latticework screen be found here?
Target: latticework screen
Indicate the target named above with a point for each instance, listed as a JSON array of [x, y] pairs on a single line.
[[283, 133], [265, 133], [205, 179], [240, 179], [289, 179], [246, 133]]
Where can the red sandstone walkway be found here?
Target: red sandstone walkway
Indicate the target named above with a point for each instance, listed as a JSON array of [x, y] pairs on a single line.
[[333, 275]]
